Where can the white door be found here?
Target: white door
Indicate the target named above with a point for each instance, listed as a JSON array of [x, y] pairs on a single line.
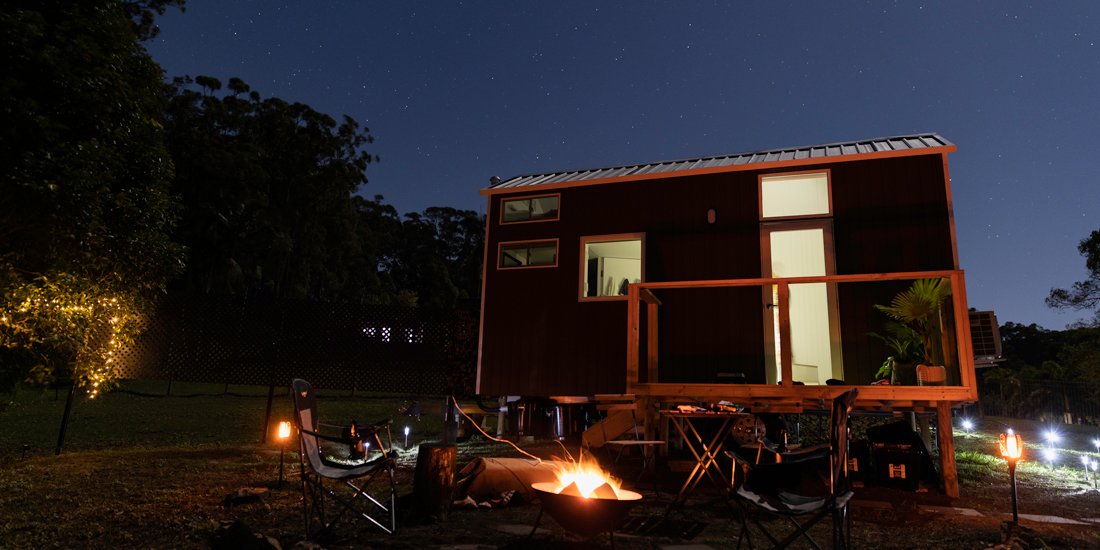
[[802, 249]]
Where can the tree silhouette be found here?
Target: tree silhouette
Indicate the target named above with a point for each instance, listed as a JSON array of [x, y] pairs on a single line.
[[1083, 295]]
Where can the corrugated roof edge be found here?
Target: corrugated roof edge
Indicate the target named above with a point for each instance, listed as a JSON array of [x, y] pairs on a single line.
[[819, 151]]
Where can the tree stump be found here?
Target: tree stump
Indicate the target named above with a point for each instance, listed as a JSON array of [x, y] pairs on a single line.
[[434, 479]]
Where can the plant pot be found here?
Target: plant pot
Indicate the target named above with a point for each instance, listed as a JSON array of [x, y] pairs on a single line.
[[904, 374], [931, 375]]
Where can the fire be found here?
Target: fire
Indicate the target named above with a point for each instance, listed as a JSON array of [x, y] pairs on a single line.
[[586, 479]]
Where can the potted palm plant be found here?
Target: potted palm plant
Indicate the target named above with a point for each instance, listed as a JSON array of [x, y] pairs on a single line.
[[905, 350], [920, 309]]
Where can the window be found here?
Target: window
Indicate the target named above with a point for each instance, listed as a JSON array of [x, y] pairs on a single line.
[[609, 263], [530, 209], [794, 195], [528, 254]]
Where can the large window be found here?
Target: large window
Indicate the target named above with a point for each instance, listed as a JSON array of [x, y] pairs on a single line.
[[609, 263], [529, 209], [794, 195], [528, 254]]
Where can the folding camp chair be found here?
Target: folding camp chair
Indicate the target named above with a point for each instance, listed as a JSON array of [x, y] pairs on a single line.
[[349, 483], [763, 488]]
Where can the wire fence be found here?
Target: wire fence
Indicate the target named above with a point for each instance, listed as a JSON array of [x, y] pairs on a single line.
[[1070, 402]]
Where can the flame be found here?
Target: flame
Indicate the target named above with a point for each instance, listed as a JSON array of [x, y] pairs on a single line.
[[586, 479]]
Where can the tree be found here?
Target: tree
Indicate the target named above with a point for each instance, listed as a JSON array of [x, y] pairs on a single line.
[[86, 214], [440, 256], [267, 188], [1083, 295]]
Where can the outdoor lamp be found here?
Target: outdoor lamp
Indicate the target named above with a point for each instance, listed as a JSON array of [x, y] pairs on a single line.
[[967, 425], [1085, 461], [1049, 455], [1052, 437], [1096, 443], [1012, 448], [284, 434], [1094, 466], [406, 437]]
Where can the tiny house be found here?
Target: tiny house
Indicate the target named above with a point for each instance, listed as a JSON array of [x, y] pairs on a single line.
[[751, 277]]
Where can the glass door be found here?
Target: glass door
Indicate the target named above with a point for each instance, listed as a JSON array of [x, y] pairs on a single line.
[[802, 249]]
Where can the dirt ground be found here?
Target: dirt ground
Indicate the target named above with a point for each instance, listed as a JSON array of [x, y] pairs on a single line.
[[882, 518], [166, 498]]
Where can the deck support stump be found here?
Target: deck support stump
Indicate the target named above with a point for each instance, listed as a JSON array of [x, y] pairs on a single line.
[[434, 479], [946, 438]]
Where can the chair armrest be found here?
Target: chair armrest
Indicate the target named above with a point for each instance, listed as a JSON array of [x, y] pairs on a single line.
[[333, 438], [806, 454]]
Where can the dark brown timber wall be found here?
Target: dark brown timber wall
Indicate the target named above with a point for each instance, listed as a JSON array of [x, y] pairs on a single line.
[[889, 215]]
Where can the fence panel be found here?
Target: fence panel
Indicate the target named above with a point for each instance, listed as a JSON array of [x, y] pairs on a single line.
[[391, 349]]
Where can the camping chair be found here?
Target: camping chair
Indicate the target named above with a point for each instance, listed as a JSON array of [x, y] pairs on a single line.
[[316, 467], [761, 487]]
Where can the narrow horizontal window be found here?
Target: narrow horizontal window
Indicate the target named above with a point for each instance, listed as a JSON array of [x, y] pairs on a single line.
[[528, 254], [530, 209], [793, 195], [610, 263]]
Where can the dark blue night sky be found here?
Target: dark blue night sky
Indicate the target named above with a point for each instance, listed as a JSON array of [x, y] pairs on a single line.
[[458, 92]]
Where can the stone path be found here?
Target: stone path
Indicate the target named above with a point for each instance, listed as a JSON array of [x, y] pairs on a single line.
[[875, 504]]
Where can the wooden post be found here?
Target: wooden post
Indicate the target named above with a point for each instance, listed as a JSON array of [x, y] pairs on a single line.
[[947, 449], [434, 479], [651, 343]]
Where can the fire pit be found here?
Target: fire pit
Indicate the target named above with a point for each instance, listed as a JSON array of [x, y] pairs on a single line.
[[585, 501]]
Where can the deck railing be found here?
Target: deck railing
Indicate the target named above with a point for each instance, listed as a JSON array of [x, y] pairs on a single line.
[[644, 365]]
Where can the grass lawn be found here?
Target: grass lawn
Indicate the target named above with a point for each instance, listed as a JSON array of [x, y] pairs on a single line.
[[144, 470]]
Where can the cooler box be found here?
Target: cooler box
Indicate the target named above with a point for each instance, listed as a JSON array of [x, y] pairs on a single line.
[[897, 465], [859, 462]]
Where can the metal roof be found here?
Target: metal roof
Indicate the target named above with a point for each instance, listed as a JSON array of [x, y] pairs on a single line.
[[808, 153]]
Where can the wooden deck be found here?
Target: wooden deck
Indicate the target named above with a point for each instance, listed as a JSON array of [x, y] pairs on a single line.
[[787, 397]]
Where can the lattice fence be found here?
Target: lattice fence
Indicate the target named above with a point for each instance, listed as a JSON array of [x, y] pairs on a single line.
[[336, 346]]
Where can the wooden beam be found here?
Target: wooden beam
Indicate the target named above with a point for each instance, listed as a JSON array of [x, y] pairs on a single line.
[[647, 296], [651, 341], [786, 358], [946, 439], [632, 315]]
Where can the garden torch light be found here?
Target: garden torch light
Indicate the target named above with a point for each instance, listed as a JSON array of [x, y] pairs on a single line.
[[406, 437], [967, 425], [284, 434], [1012, 449]]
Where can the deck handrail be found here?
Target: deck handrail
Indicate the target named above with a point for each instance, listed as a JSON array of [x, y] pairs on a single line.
[[641, 293]]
